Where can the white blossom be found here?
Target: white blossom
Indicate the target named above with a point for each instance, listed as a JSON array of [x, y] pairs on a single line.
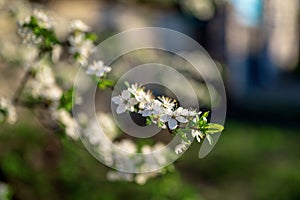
[[127, 146], [17, 53], [43, 19], [81, 47], [98, 69], [27, 34], [167, 102], [173, 117], [7, 111], [108, 125], [180, 148], [78, 25], [152, 108], [99, 140], [141, 96], [189, 112], [68, 122], [125, 102], [43, 85], [142, 178], [197, 134], [119, 176]]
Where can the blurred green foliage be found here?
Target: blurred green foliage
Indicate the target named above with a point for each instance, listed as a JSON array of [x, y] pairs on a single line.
[[5, 192], [248, 162], [41, 166]]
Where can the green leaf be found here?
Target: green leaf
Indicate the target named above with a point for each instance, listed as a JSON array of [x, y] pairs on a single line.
[[148, 121], [205, 114], [66, 100], [105, 83], [127, 84], [91, 36], [212, 128], [76, 55]]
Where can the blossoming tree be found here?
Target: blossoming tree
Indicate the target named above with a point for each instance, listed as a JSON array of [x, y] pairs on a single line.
[[40, 88]]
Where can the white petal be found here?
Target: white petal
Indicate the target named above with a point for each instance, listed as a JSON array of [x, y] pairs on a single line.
[[100, 72], [121, 108], [184, 112], [90, 71], [146, 113], [180, 148], [125, 94], [172, 123], [194, 133], [130, 108], [164, 118], [132, 101], [210, 139], [117, 100], [181, 119], [198, 138], [107, 69], [179, 110]]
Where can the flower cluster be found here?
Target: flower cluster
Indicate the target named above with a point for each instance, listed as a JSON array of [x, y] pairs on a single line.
[[67, 122], [37, 29], [124, 154], [167, 114], [81, 41], [42, 86], [97, 69], [41, 89]]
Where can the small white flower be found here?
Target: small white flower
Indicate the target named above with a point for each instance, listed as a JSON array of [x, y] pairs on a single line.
[[180, 148], [198, 135], [78, 25], [43, 19], [167, 102], [108, 125], [76, 39], [189, 112], [127, 145], [27, 33], [119, 176], [98, 69], [43, 85], [152, 108], [81, 47], [142, 178], [69, 123], [141, 96], [124, 102], [173, 117]]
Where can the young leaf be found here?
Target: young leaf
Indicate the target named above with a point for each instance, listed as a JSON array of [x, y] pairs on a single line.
[[212, 128], [105, 83], [66, 100]]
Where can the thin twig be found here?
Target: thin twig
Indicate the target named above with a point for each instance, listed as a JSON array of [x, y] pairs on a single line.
[[169, 130], [18, 92], [189, 127]]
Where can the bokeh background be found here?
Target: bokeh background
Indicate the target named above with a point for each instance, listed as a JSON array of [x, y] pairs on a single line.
[[255, 43]]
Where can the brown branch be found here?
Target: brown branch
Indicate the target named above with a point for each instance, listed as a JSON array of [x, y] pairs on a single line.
[[19, 91]]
